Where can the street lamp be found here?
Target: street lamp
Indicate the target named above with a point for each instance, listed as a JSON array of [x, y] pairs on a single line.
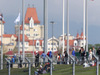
[[52, 23], [1, 19]]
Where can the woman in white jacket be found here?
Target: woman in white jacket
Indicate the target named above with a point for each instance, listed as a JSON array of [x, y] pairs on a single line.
[[90, 55]]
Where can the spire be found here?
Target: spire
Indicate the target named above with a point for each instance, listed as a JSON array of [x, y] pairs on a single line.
[[77, 36], [82, 34], [31, 12]]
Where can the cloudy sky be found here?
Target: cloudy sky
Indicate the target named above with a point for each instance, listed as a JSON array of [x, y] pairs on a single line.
[[10, 10]]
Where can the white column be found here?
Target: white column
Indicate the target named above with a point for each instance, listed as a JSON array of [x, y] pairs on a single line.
[[63, 26], [84, 24], [23, 32], [68, 29]]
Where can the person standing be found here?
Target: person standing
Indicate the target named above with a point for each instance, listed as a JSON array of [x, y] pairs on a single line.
[[37, 59], [66, 57], [73, 52], [90, 55], [94, 50], [43, 57], [82, 54], [98, 53]]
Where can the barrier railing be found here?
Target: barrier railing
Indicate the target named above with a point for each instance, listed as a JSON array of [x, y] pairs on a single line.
[[73, 59], [50, 64], [29, 65], [97, 64], [8, 66]]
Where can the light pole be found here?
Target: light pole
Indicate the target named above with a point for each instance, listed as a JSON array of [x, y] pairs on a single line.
[[52, 23], [23, 31], [1, 19], [86, 25], [68, 29], [45, 25]]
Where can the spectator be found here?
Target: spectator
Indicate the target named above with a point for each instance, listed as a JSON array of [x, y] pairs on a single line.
[[58, 58], [12, 61], [94, 51], [90, 55], [37, 59], [73, 52], [66, 57], [15, 57], [98, 53], [43, 56], [20, 64], [82, 54]]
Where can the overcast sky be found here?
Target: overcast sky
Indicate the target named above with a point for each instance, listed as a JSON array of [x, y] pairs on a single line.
[[10, 10]]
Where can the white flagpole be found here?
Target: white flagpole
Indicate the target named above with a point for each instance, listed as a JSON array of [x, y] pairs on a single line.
[[68, 29], [23, 32], [1, 47], [84, 24], [63, 26], [45, 26], [19, 42]]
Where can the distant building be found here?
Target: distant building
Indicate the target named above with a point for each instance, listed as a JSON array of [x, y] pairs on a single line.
[[9, 42], [53, 44], [74, 42], [32, 27]]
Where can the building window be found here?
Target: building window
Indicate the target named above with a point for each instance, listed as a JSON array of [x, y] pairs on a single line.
[[48, 43], [35, 29], [26, 43], [37, 43], [54, 43], [82, 44], [48, 48], [54, 48], [28, 34], [51, 43], [75, 44]]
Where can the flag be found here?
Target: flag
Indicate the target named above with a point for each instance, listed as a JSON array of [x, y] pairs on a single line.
[[1, 17], [17, 19]]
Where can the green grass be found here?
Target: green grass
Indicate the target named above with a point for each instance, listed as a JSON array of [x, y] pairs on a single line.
[[58, 70]]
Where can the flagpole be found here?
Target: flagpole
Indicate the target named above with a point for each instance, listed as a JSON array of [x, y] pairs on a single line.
[[23, 31], [84, 24], [68, 30], [33, 51], [19, 41], [1, 48], [45, 26], [63, 25]]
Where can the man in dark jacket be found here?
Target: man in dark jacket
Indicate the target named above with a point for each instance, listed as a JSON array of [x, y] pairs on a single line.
[[82, 54], [98, 53], [37, 59]]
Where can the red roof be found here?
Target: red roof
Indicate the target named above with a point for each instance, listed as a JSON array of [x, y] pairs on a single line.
[[81, 34], [21, 27], [9, 35], [71, 42], [40, 52], [0, 42], [30, 42], [21, 38], [9, 53], [3, 22], [77, 36], [31, 12]]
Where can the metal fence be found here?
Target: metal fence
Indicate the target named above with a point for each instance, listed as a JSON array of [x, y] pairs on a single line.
[[74, 68]]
